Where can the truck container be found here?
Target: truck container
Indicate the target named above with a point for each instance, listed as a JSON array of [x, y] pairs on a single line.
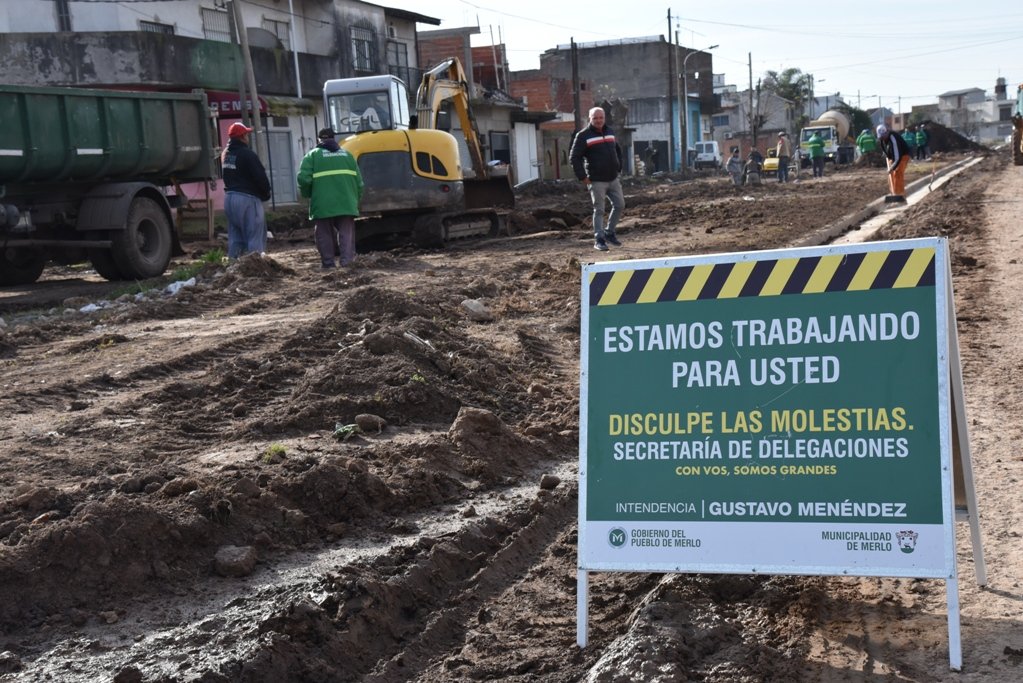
[[833, 127], [90, 174]]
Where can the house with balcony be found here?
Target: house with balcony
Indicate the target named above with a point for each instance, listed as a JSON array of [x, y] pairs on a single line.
[[180, 45]]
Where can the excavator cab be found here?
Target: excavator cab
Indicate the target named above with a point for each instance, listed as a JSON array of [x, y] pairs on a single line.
[[403, 170], [357, 105]]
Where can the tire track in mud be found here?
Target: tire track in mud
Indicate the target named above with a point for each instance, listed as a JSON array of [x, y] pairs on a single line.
[[310, 597], [113, 406], [459, 605]]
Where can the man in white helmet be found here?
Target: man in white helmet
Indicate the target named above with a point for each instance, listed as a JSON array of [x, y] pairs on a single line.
[[896, 153]]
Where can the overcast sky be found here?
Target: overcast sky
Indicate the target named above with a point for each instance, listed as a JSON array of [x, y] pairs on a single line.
[[908, 50]]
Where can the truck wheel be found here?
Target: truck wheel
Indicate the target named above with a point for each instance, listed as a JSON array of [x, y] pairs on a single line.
[[142, 250], [103, 261], [21, 266], [1017, 146]]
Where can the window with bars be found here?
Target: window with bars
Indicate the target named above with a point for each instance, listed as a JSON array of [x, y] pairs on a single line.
[[216, 25], [397, 61], [156, 27], [281, 29], [363, 41]]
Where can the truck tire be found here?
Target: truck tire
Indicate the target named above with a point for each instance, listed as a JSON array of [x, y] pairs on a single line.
[[1017, 146], [142, 250], [103, 261], [21, 266]]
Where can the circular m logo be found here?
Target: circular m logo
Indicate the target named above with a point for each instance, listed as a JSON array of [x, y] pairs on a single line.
[[616, 537]]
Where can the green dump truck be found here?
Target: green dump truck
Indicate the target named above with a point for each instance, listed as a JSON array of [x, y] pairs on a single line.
[[90, 175]]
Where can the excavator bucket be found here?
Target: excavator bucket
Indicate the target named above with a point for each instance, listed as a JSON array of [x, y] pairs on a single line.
[[486, 193]]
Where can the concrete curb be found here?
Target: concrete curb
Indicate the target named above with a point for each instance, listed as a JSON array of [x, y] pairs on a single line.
[[843, 224]]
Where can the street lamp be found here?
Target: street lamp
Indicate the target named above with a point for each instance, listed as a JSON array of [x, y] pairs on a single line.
[[684, 109]]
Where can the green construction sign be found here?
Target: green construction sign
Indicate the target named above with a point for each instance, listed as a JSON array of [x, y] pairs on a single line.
[[779, 411]]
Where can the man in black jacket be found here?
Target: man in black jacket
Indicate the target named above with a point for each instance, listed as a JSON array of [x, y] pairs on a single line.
[[246, 188], [896, 153], [597, 160]]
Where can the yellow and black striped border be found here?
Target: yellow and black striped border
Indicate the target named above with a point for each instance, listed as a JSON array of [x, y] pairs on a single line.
[[845, 272]]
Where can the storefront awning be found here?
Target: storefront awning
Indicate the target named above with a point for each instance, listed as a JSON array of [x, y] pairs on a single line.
[[229, 106], [289, 106]]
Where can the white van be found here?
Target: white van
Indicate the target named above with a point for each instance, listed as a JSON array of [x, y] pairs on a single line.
[[708, 155]]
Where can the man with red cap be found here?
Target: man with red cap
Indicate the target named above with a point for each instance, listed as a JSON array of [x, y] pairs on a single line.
[[247, 187]]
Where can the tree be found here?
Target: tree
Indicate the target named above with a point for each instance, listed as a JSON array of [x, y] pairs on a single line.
[[860, 121], [792, 84]]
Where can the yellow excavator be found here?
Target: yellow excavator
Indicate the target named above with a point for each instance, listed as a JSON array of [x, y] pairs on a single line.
[[415, 180]]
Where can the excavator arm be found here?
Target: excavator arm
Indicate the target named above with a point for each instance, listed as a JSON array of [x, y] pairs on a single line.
[[447, 81]]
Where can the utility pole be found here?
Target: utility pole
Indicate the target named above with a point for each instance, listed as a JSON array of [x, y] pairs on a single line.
[[504, 57], [813, 99], [671, 99], [242, 94], [243, 37], [752, 130], [683, 135], [576, 103], [493, 55], [298, 76]]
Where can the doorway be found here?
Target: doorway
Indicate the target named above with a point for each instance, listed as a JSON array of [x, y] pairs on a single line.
[[282, 167]]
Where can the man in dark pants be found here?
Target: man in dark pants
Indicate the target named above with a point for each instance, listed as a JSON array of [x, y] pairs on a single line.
[[330, 178], [896, 153], [784, 153], [597, 160]]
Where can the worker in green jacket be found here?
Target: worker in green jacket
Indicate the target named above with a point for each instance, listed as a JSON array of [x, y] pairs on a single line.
[[329, 177], [922, 141], [866, 142], [909, 135], [815, 150]]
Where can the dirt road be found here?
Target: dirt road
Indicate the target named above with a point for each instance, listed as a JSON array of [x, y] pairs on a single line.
[[282, 474]]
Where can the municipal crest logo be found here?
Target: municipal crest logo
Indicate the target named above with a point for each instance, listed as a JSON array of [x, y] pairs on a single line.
[[906, 540], [616, 537]]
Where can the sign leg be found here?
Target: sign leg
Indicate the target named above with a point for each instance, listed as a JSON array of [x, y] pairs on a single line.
[[955, 647], [582, 607], [963, 436]]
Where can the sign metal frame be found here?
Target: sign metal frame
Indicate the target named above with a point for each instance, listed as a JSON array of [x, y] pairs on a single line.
[[721, 293]]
